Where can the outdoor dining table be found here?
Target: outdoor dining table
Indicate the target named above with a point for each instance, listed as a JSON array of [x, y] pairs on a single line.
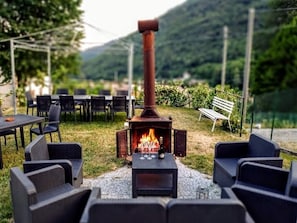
[[18, 121], [86, 100]]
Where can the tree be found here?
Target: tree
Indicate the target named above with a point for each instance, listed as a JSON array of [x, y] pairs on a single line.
[[52, 22], [276, 69]]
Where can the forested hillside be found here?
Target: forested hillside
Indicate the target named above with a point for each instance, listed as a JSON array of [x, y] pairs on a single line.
[[190, 39]]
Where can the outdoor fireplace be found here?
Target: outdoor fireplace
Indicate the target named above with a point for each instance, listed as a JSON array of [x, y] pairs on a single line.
[[149, 120]]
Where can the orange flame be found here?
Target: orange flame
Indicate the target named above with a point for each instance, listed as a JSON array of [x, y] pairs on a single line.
[[148, 138]]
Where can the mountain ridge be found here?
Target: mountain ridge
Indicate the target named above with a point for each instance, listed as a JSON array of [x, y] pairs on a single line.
[[190, 39]]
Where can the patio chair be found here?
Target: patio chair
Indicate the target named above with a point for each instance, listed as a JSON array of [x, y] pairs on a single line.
[[62, 91], [104, 92], [122, 92], [51, 125], [4, 134], [269, 193], [9, 132], [68, 106], [229, 156], [43, 104], [98, 105], [31, 104], [39, 154], [80, 91], [119, 104], [44, 196]]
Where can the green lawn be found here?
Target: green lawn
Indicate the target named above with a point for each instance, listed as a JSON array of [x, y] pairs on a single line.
[[99, 146]]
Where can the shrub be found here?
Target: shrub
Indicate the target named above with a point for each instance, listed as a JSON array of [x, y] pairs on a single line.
[[171, 95], [200, 96]]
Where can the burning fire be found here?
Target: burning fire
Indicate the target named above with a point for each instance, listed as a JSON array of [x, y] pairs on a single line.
[[149, 140]]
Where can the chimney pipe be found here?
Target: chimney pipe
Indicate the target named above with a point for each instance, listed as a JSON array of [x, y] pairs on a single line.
[[147, 28]]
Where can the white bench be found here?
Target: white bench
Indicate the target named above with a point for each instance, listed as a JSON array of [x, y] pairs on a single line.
[[221, 110]]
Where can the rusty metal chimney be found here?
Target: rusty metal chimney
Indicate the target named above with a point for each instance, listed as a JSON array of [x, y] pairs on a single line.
[[147, 28]]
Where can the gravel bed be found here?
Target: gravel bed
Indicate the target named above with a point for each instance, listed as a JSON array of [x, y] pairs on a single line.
[[118, 183]]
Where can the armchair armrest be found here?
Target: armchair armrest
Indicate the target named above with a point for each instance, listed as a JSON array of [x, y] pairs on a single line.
[[64, 150], [47, 178], [262, 176], [229, 194], [231, 149], [273, 208], [29, 166], [73, 203], [271, 161], [53, 122], [95, 194]]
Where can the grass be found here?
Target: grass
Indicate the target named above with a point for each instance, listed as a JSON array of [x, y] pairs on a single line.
[[99, 146]]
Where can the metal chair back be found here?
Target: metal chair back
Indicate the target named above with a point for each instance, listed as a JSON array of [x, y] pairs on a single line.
[[104, 92], [119, 104], [62, 91], [30, 102], [54, 115], [67, 103], [80, 91], [43, 104], [98, 104]]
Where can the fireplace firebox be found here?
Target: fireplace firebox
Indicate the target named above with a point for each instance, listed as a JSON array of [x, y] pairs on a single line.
[[128, 139], [141, 126]]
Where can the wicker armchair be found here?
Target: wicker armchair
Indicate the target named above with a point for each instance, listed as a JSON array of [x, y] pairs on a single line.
[[44, 196]]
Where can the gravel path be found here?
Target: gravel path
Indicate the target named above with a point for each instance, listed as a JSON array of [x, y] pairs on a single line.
[[118, 184]]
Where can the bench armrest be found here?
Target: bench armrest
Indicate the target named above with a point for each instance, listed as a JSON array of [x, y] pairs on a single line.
[[95, 194], [262, 176], [64, 150], [231, 149], [29, 166]]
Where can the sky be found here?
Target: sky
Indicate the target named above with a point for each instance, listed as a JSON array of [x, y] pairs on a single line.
[[106, 20]]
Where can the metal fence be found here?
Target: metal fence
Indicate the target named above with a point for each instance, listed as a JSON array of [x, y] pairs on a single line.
[[274, 115]]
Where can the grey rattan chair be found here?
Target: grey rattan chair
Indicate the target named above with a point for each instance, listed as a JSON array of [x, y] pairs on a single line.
[[43, 104], [31, 104], [9, 132], [98, 104], [62, 91], [104, 92], [68, 105], [119, 104], [51, 125]]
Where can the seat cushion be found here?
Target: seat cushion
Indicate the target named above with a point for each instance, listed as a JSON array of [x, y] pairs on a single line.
[[291, 188], [54, 192], [228, 164]]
